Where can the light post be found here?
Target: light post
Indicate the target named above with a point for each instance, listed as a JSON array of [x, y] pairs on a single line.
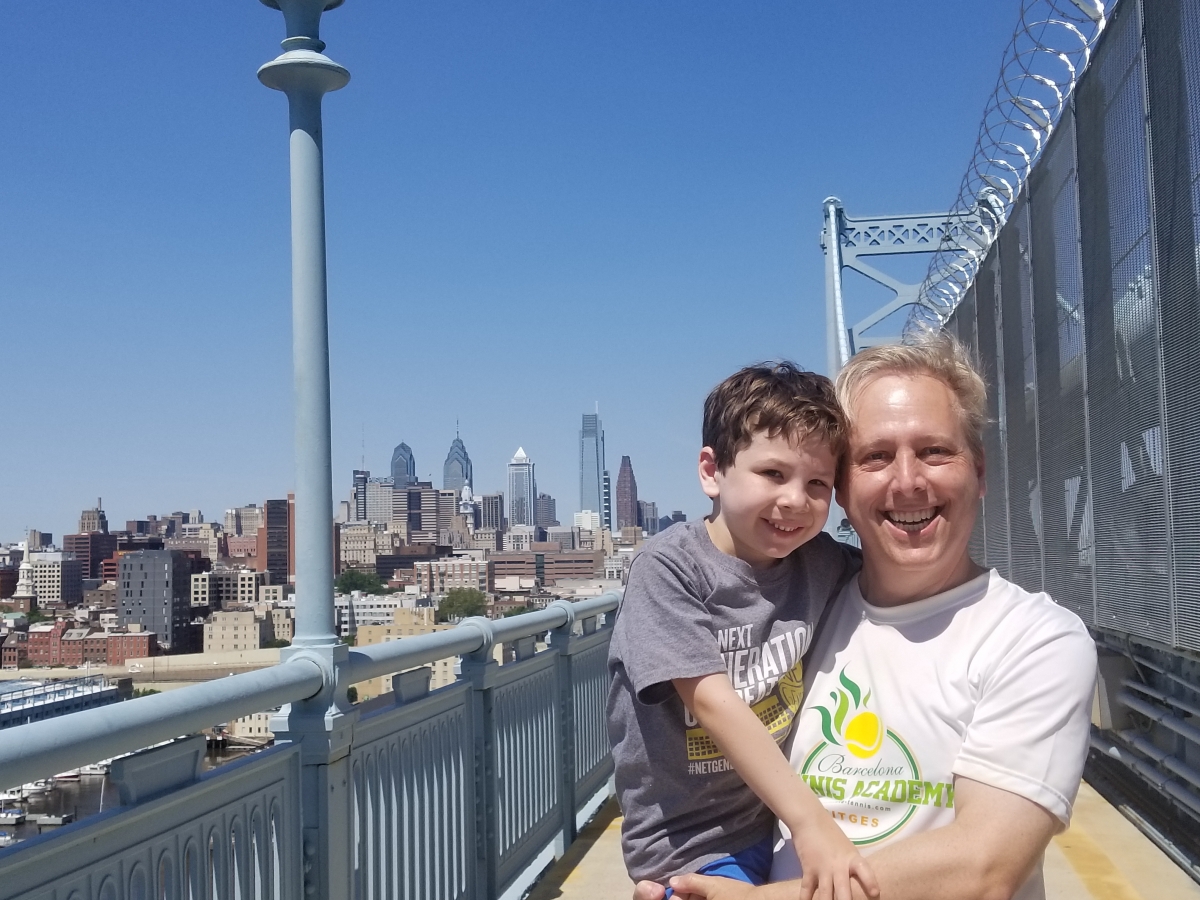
[[305, 74], [322, 726]]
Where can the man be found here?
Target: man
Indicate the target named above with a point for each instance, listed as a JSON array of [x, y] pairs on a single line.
[[945, 720]]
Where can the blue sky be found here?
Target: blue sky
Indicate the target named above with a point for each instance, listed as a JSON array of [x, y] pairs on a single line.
[[532, 208]]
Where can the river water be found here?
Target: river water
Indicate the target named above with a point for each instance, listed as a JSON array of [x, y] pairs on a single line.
[[89, 795]]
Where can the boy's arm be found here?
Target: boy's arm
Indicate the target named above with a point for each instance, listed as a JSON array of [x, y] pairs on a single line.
[[828, 857]]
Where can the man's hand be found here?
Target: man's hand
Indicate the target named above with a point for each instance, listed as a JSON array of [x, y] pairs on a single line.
[[648, 890], [829, 861]]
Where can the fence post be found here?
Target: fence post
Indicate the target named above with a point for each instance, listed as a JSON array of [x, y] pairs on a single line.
[[560, 642], [480, 670], [324, 728]]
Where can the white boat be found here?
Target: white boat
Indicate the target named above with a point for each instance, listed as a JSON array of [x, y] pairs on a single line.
[[69, 775], [11, 797], [36, 787], [96, 768]]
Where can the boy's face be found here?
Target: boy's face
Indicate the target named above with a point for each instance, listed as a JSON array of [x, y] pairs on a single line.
[[773, 498]]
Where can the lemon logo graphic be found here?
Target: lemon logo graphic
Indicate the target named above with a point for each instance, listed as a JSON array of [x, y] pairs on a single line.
[[851, 724], [864, 734], [863, 772]]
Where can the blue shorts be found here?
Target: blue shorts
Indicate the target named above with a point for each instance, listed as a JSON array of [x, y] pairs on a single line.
[[750, 866]]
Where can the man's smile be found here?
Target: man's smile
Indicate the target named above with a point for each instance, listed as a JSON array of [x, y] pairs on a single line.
[[912, 521]]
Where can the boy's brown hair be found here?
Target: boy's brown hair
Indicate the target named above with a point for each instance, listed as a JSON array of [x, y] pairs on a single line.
[[778, 398]]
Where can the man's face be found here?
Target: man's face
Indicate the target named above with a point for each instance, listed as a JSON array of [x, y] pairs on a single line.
[[773, 498], [910, 488]]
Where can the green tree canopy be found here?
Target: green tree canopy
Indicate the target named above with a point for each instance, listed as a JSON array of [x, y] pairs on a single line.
[[459, 603], [358, 580]]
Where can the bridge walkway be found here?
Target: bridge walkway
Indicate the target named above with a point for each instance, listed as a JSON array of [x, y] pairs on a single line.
[[1101, 857]]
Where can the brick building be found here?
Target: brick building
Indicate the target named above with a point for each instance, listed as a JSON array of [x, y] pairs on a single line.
[[443, 575], [45, 643], [549, 568], [14, 650], [126, 645]]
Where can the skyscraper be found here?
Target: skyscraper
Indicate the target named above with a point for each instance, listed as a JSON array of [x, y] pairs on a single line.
[[591, 463], [649, 513], [606, 500], [522, 490], [417, 508], [91, 549], [360, 494], [457, 470], [243, 520], [627, 498], [274, 541], [545, 511], [93, 520], [404, 467], [491, 511], [379, 500]]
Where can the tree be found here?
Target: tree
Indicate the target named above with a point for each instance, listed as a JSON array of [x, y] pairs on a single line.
[[459, 603], [516, 611], [358, 580], [276, 644]]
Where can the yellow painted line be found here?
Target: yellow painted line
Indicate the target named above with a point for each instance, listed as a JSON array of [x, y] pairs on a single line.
[[610, 836], [1102, 879]]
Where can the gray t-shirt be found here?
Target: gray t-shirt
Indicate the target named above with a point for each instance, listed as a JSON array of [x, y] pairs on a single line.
[[690, 610]]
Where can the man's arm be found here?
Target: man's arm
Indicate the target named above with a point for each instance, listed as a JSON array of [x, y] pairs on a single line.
[[830, 860], [986, 853]]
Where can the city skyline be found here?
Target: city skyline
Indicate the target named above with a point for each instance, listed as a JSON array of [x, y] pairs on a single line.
[[354, 491], [492, 173]]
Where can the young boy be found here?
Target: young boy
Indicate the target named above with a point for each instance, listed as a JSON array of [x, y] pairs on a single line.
[[706, 653]]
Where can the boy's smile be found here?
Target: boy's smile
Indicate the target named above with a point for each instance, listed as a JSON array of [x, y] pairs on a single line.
[[773, 498]]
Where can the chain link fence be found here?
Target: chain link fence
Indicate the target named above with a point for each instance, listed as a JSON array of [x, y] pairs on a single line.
[[1085, 318]]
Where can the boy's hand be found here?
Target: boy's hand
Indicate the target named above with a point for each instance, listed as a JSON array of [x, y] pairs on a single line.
[[706, 887], [829, 861], [648, 890], [710, 887]]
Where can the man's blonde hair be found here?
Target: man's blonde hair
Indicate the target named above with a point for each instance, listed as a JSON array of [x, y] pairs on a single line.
[[936, 354]]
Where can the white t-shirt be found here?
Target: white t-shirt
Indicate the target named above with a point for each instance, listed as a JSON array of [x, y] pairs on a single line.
[[986, 681]]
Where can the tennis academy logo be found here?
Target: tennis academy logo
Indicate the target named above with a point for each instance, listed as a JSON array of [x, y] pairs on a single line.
[[867, 774]]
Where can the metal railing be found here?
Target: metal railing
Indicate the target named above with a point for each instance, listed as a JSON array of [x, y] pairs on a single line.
[[463, 792]]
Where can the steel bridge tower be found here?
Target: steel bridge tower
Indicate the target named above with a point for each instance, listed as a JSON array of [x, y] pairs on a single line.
[[868, 236]]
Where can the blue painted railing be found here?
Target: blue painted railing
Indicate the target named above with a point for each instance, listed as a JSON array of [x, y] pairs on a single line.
[[463, 792]]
